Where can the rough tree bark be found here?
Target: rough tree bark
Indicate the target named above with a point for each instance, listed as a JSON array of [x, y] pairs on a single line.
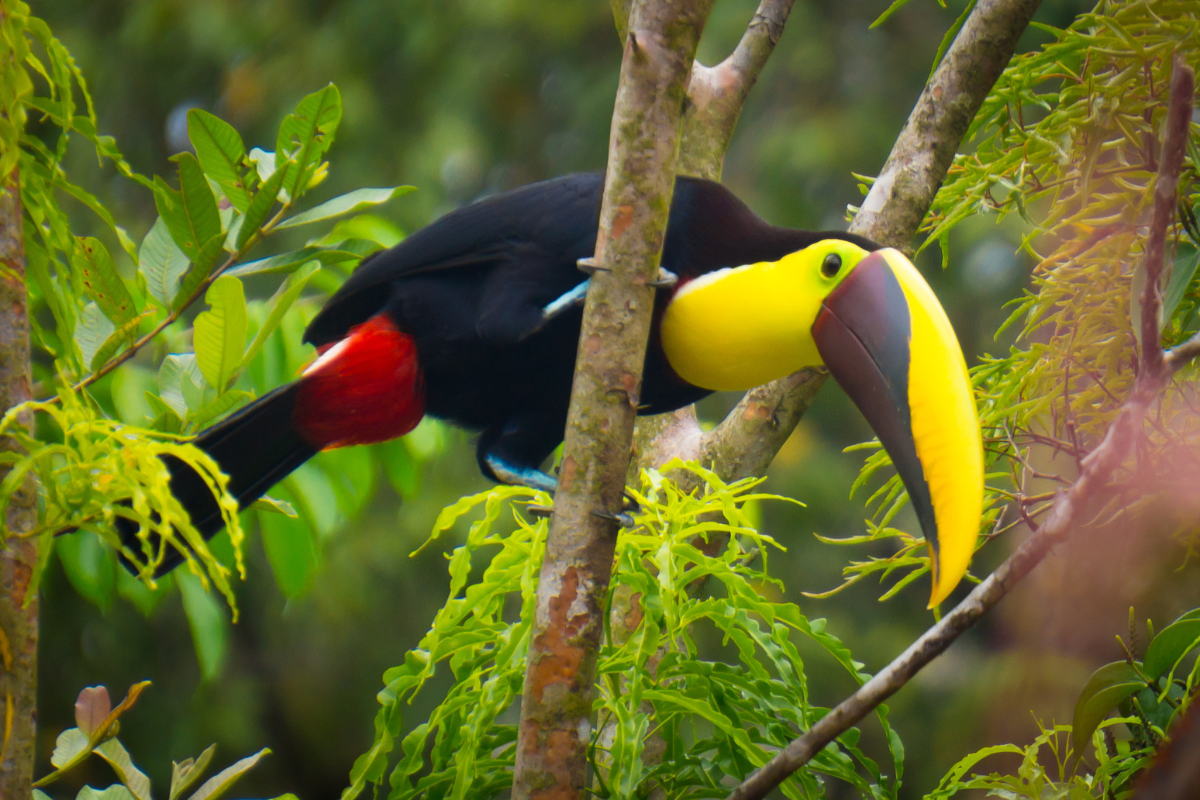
[[18, 613], [1154, 373], [556, 702]]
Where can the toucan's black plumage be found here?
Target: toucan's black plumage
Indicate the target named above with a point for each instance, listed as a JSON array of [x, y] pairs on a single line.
[[469, 292]]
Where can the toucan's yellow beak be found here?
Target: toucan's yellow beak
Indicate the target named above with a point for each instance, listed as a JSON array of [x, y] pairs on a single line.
[[886, 340]]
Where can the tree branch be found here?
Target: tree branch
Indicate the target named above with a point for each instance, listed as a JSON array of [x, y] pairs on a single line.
[[1097, 468], [556, 703], [747, 440], [18, 611]]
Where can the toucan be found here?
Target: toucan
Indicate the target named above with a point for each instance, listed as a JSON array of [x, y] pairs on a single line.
[[475, 320]]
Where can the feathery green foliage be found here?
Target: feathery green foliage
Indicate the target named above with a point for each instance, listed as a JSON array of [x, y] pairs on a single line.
[[1068, 141], [715, 719]]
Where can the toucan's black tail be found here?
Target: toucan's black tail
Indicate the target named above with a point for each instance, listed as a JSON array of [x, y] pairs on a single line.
[[256, 447]]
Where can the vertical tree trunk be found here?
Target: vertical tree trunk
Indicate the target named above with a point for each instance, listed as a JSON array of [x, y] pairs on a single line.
[[18, 613]]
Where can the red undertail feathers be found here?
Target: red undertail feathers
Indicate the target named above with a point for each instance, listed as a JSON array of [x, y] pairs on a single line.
[[366, 388]]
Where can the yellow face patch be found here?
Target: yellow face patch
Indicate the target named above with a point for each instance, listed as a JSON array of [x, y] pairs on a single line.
[[738, 328]]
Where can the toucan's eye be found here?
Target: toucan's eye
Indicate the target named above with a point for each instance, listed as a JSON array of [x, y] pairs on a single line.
[[831, 265]]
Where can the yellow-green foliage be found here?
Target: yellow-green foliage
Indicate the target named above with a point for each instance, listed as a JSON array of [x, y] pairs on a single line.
[[715, 719], [1068, 139], [100, 470]]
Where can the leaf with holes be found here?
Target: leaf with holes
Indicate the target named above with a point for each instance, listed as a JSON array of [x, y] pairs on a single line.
[[101, 280], [220, 332], [306, 134], [260, 207]]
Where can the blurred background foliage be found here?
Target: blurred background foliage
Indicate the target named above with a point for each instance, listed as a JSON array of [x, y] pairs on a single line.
[[462, 99]]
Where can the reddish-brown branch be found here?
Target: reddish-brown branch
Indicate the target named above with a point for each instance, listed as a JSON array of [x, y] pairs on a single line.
[[556, 703], [1064, 516], [18, 611]]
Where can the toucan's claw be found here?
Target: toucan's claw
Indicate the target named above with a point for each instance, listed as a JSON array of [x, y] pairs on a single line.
[[590, 266], [541, 512], [665, 280], [623, 519]]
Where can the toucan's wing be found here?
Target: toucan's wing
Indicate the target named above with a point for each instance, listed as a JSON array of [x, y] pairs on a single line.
[[554, 216]]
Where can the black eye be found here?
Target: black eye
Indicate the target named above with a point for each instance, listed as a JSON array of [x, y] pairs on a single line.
[[831, 265]]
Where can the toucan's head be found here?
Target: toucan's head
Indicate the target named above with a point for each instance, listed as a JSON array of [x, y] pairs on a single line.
[[874, 322]]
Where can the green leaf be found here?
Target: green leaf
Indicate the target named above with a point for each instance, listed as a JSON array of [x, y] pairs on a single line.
[[191, 213], [220, 333], [221, 153], [101, 280], [143, 598], [260, 207], [218, 784], [886, 15], [1171, 644], [279, 304], [114, 792], [38, 794], [306, 134], [1181, 277], [1104, 691], [218, 406], [117, 339], [290, 549], [202, 267], [273, 505], [118, 758], [338, 253], [162, 262], [947, 40], [90, 567], [70, 744], [91, 331], [172, 373], [346, 204], [210, 631], [188, 771]]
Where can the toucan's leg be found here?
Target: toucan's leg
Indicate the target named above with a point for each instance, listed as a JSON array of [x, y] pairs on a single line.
[[569, 300], [513, 453]]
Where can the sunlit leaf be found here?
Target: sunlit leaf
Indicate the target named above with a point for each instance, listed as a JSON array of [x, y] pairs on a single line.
[[220, 783], [102, 282], [349, 203], [210, 630], [220, 332], [220, 151], [118, 758], [162, 262], [187, 772], [306, 134], [278, 305]]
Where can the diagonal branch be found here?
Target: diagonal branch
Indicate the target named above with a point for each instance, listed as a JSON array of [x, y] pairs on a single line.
[[556, 702], [1097, 469]]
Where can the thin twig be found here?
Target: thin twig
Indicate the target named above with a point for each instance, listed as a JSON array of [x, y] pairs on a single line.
[[1097, 467]]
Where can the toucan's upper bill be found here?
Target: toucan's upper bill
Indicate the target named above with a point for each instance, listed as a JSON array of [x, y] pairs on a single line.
[[886, 340]]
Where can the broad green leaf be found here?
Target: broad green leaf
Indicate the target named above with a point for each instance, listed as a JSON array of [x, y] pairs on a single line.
[[188, 771], [220, 332], [114, 792], [1171, 644], [68, 747], [202, 267], [38, 794], [102, 282], [219, 406], [92, 329], [306, 134], [162, 262], [290, 549], [220, 151], [117, 339], [1181, 277], [260, 206], [1104, 691], [346, 204], [210, 631], [350, 250], [218, 784], [90, 567], [279, 304], [118, 758], [191, 213], [171, 376], [264, 162], [143, 598]]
